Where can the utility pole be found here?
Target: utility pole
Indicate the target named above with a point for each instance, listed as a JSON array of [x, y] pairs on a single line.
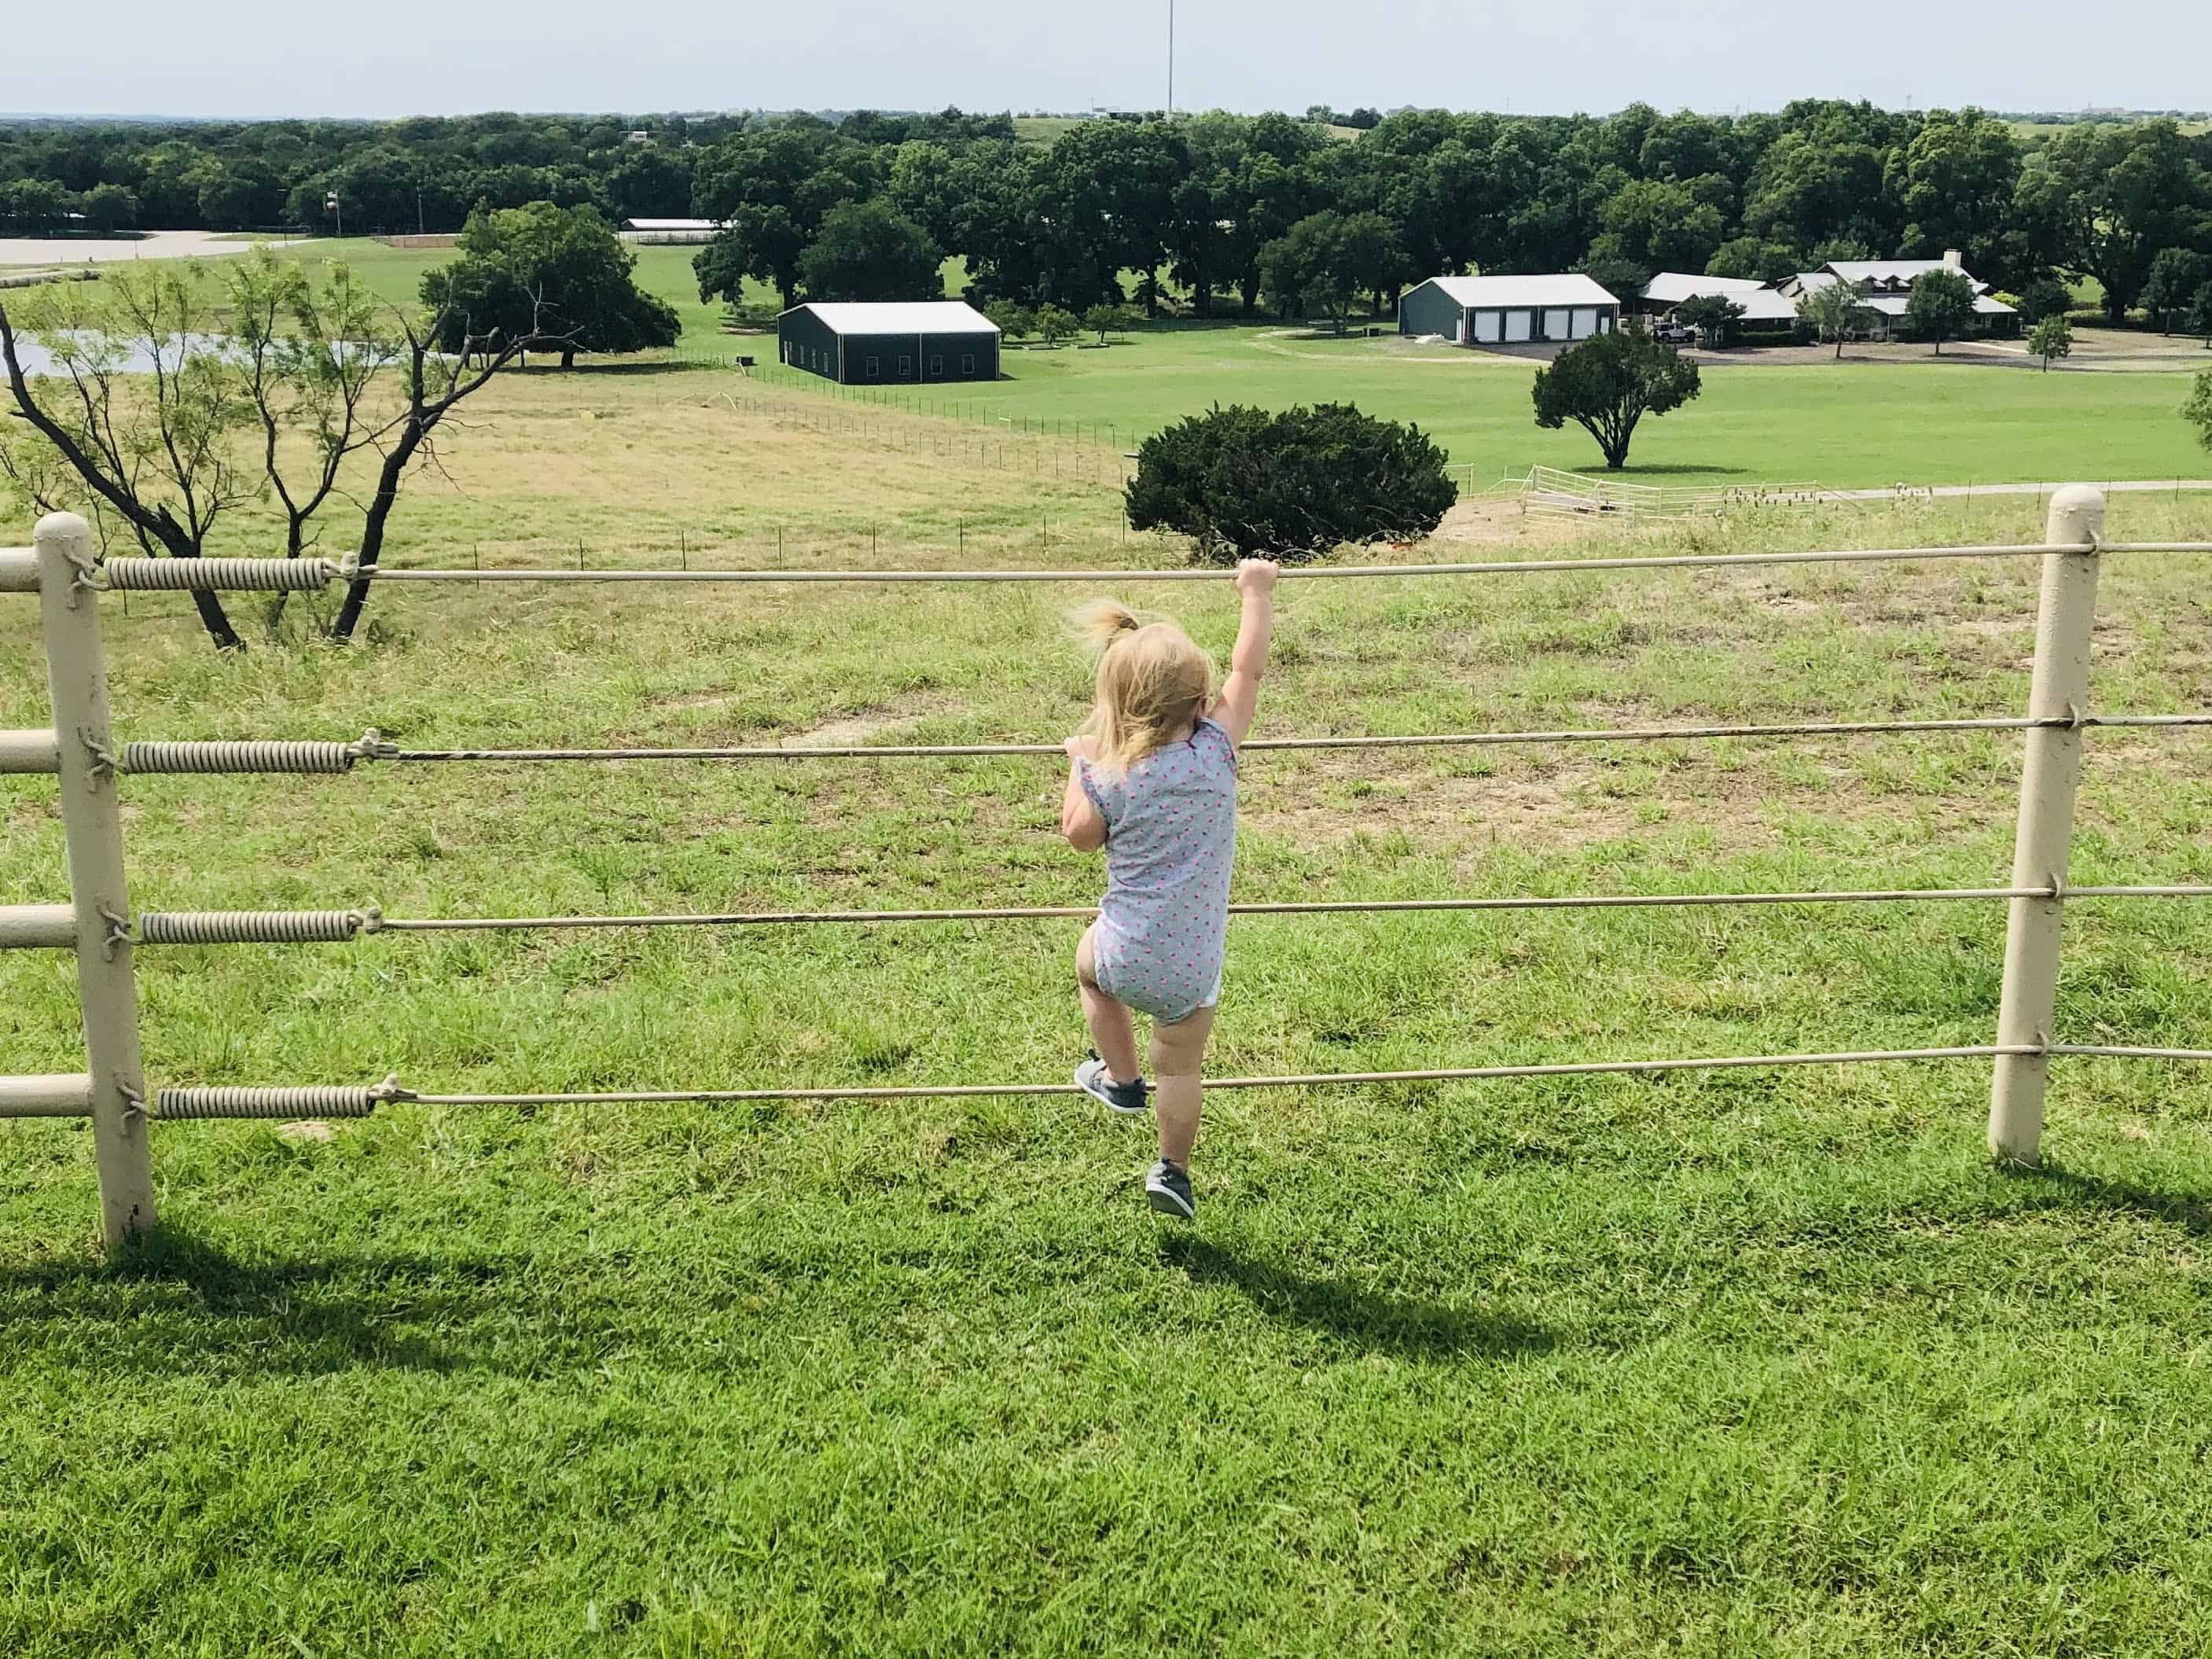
[[331, 202], [418, 213]]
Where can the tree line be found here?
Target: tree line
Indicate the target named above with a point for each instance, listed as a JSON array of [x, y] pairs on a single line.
[[1191, 207]]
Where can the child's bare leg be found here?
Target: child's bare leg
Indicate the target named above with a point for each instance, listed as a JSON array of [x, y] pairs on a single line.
[[1111, 1033], [1178, 1052]]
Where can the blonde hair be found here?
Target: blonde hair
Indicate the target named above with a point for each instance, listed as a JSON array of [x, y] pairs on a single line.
[[1153, 684]]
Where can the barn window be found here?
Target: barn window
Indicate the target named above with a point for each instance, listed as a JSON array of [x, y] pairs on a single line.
[[875, 368], [936, 367], [906, 367], [967, 362]]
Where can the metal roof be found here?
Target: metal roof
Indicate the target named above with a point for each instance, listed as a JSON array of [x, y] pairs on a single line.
[[1567, 287], [1893, 305], [1888, 271], [1672, 287], [671, 224], [900, 317]]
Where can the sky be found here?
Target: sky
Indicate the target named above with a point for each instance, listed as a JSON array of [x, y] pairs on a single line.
[[278, 57]]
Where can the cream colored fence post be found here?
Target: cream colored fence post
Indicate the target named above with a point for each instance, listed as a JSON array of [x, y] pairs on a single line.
[[68, 608], [2049, 777]]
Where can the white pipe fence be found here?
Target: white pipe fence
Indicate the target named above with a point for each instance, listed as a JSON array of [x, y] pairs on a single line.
[[97, 926]]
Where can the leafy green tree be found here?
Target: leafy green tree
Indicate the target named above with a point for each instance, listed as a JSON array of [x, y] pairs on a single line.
[[1016, 322], [2103, 201], [1055, 323], [1939, 305], [109, 208], [1749, 258], [2177, 276], [2046, 296], [772, 186], [556, 277], [865, 251], [1106, 320], [1955, 182], [1713, 315], [2198, 410], [2052, 337], [1327, 259], [1835, 312], [35, 206], [1609, 383], [1292, 485]]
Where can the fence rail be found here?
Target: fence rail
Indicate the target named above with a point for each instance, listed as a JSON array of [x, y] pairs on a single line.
[[97, 924]]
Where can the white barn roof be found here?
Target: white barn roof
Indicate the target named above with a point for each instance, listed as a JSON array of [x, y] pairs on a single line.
[[901, 317], [671, 224], [1672, 287], [1563, 289]]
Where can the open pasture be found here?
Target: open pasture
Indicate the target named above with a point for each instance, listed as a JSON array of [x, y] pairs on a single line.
[[1749, 1363], [1855, 425]]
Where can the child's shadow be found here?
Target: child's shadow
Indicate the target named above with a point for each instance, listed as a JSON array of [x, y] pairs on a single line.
[[1398, 1324]]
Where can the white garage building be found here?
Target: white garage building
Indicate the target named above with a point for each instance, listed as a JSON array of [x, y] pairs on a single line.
[[1509, 310]]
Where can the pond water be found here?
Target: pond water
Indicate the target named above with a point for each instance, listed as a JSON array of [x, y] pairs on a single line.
[[134, 357]]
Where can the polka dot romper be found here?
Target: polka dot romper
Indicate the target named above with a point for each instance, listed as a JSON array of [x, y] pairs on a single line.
[[1171, 840]]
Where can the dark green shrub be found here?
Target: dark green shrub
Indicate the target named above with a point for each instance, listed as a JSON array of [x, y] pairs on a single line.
[[1289, 485]]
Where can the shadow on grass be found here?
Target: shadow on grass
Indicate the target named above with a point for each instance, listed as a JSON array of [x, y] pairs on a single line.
[[1362, 1318], [175, 1303], [2080, 1188]]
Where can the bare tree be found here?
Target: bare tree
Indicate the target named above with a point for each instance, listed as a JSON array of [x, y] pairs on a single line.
[[228, 412], [143, 413]]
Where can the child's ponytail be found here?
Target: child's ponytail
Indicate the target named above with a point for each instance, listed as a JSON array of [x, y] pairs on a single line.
[[1102, 622], [1153, 684]]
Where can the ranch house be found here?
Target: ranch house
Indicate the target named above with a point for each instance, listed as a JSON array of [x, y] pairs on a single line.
[[1472, 310], [901, 342]]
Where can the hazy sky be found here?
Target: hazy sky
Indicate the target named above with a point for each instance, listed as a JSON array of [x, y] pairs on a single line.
[[263, 58]]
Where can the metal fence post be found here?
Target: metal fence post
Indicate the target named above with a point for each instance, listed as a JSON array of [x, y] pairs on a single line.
[[2050, 774], [92, 820]]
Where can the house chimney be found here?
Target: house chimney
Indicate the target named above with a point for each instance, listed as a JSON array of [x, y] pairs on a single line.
[[1952, 257]]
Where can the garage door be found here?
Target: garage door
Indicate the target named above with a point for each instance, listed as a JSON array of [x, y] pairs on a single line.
[[1585, 322], [1555, 324], [1516, 325], [1486, 327]]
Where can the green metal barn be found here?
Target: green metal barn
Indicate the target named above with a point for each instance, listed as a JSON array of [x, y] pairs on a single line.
[[1509, 310], [911, 343]]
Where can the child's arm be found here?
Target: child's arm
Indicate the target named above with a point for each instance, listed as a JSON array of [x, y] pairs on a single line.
[[1080, 820], [1240, 693]]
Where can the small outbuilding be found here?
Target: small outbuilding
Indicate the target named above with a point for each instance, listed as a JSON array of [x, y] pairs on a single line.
[[681, 233], [1509, 310], [899, 342]]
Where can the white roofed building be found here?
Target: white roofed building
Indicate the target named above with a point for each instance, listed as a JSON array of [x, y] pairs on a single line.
[[1509, 310], [664, 232], [893, 342]]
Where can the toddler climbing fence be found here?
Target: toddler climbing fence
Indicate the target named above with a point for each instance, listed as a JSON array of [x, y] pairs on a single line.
[[98, 926]]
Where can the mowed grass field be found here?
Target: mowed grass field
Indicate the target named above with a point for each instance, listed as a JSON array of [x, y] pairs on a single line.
[[1743, 1363], [1847, 425]]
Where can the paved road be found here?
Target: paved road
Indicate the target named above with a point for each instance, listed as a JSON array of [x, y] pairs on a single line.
[[44, 254], [1924, 490]]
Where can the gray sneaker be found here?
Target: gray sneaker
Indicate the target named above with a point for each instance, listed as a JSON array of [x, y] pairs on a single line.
[[1126, 1098], [1167, 1189]]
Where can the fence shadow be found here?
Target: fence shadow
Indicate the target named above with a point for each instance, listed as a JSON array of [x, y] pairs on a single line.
[[1403, 1325], [2191, 1212], [177, 1305]]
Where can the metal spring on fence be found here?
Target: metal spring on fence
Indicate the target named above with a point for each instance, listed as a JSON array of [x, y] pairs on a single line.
[[230, 575], [249, 755], [256, 926], [320, 1100]]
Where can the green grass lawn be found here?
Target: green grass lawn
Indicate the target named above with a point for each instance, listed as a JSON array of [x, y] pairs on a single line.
[[1740, 1363], [1849, 425]]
